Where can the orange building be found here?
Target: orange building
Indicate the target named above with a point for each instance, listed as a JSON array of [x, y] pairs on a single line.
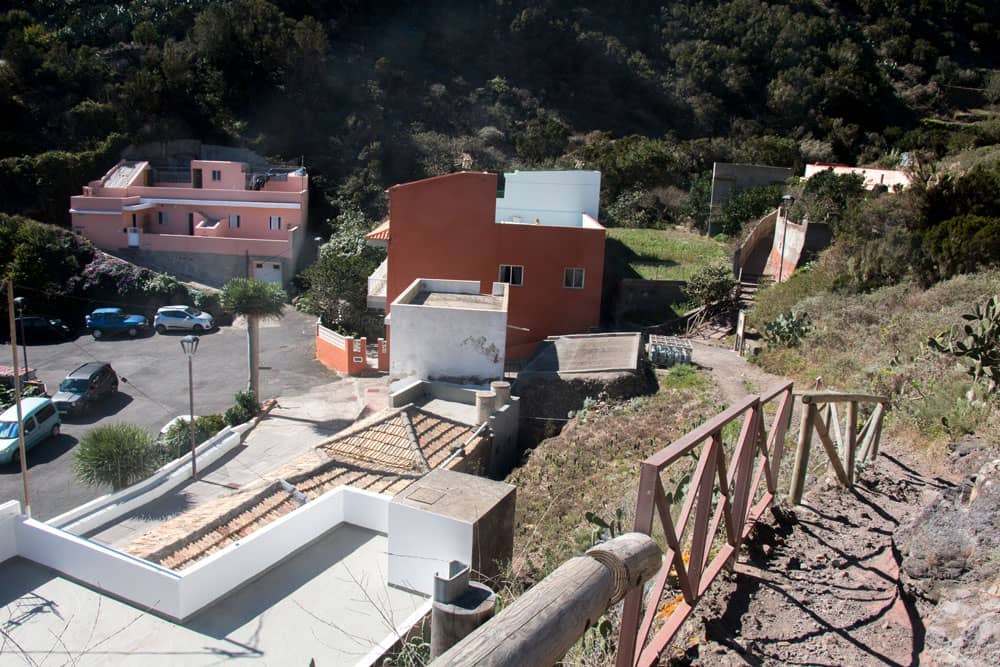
[[539, 234]]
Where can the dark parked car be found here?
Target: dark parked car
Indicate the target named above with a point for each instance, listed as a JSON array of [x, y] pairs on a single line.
[[112, 321], [85, 385], [33, 329]]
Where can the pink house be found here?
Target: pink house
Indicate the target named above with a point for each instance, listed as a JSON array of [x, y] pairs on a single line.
[[214, 221]]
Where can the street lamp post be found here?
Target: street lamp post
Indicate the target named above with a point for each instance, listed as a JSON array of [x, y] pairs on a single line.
[[19, 302], [190, 345]]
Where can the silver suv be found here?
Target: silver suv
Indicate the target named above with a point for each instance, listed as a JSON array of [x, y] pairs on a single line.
[[184, 318]]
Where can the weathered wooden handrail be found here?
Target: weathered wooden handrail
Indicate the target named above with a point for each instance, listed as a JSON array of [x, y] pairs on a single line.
[[842, 448], [840, 397], [732, 487], [541, 625]]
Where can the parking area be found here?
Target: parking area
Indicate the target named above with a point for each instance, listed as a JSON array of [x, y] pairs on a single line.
[[153, 388]]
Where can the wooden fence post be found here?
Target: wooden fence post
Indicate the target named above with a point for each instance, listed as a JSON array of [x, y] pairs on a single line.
[[802, 453], [541, 625], [852, 440]]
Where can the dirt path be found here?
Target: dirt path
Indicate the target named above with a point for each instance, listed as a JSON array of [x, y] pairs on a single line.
[[733, 375], [819, 584]]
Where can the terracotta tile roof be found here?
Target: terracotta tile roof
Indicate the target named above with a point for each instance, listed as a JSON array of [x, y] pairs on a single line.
[[216, 524], [383, 454], [380, 233]]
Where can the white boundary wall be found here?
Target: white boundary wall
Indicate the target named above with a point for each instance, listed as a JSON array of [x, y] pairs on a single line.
[[420, 544], [330, 336], [113, 506], [145, 584]]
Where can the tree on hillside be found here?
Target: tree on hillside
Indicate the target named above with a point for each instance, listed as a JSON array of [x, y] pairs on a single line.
[[116, 454], [255, 300], [336, 285]]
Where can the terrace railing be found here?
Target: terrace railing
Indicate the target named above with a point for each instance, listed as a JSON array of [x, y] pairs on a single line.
[[729, 479], [847, 447]]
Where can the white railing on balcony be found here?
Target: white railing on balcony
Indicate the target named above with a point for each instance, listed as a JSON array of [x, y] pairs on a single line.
[[377, 286]]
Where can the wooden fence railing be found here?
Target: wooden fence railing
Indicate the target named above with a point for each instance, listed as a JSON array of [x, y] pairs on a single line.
[[733, 486], [845, 446], [541, 625]]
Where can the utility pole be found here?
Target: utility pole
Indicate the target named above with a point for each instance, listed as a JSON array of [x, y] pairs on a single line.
[[17, 397]]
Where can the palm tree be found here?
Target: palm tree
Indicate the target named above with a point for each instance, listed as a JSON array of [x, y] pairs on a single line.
[[255, 300], [115, 454]]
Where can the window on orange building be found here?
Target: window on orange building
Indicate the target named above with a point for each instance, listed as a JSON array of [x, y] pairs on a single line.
[[234, 221], [274, 222], [511, 274], [573, 278]]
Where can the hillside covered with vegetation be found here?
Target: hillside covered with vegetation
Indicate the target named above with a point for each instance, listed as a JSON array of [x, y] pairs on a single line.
[[374, 93]]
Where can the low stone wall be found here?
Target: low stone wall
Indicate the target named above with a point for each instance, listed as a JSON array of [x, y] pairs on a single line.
[[210, 269]]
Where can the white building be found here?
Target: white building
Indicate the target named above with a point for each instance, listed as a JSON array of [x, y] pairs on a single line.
[[890, 178], [447, 330]]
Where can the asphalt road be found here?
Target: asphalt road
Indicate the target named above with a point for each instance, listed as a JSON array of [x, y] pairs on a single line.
[[153, 389]]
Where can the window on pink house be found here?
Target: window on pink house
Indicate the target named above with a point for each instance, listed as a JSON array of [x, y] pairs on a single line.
[[234, 221], [216, 175]]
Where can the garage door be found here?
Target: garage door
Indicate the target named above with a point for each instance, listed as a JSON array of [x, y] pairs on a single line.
[[268, 272]]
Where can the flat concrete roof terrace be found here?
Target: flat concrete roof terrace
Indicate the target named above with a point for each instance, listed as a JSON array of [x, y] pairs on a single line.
[[329, 602], [452, 300]]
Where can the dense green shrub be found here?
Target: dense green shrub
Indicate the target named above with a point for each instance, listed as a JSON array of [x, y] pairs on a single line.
[[206, 301], [246, 408], [746, 206], [176, 442], [712, 286], [115, 454], [7, 394], [634, 208], [963, 245]]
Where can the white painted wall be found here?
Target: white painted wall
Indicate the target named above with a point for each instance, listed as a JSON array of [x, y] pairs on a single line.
[[421, 544], [181, 594], [364, 508], [144, 584], [429, 342], [10, 516], [554, 198]]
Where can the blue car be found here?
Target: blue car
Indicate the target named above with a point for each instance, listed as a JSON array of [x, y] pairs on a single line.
[[113, 321]]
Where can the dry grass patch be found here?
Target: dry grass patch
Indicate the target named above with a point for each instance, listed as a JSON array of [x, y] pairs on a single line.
[[877, 343], [593, 466]]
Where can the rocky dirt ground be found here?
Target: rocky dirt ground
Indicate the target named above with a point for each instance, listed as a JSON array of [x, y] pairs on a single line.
[[901, 570]]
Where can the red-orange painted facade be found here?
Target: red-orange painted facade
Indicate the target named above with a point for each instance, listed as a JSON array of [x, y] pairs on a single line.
[[444, 227]]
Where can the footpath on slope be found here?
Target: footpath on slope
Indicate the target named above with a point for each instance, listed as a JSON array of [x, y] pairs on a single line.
[[818, 584]]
